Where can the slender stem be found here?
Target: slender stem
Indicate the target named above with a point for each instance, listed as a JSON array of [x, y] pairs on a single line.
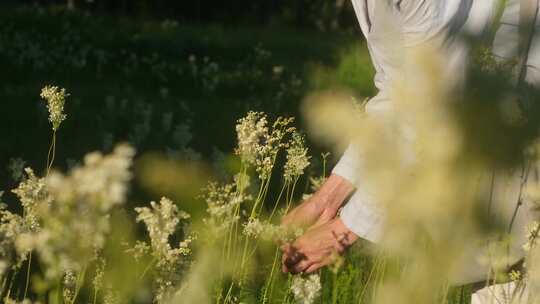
[[277, 201], [5, 281], [229, 292], [52, 153], [147, 268], [80, 282], [28, 274], [95, 295], [270, 279], [286, 296], [11, 282], [334, 288]]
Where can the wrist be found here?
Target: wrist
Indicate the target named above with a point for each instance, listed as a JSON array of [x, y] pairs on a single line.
[[333, 193]]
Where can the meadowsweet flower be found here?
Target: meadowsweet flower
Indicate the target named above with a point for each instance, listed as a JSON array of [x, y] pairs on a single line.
[[253, 228], [139, 250], [31, 193], [259, 144], [10, 227], [267, 231], [297, 158], [55, 98], [74, 221], [223, 202], [102, 180], [162, 221], [69, 286], [97, 281], [242, 181], [250, 130], [111, 297], [306, 289]]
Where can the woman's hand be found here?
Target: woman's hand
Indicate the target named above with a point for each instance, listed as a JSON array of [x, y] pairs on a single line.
[[322, 206], [317, 247]]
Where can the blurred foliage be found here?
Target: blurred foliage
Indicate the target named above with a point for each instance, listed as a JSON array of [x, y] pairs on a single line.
[[163, 87], [316, 14]]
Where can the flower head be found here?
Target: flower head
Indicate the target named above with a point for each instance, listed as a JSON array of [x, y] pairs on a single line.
[[161, 222], [258, 143], [55, 98], [306, 289], [297, 158]]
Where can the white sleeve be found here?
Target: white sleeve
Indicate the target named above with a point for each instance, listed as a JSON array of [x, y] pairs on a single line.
[[348, 165], [420, 23]]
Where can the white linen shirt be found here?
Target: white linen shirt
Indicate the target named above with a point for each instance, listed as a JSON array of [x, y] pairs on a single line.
[[419, 21]]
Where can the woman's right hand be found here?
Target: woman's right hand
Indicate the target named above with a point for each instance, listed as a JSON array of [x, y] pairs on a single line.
[[322, 206]]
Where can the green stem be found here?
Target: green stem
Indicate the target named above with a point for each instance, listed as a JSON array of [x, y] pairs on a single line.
[[8, 294], [286, 296], [147, 268], [334, 288], [80, 282], [229, 292], [95, 295], [277, 201], [28, 274], [270, 279], [52, 153]]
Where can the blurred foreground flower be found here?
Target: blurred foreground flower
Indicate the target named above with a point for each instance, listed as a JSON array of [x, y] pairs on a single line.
[[73, 210]]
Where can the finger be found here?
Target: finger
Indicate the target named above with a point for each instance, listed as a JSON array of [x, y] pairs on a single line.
[[293, 259], [302, 266], [339, 243], [314, 267]]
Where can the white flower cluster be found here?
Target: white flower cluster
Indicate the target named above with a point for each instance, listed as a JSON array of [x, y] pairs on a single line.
[[10, 228], [162, 221], [102, 180], [32, 193], [223, 203], [69, 286], [139, 250], [258, 144], [250, 130], [306, 289], [74, 220], [267, 231], [56, 99], [297, 158]]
